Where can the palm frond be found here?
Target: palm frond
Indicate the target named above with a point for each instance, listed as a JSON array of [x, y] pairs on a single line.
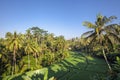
[[89, 24], [90, 38], [91, 35], [111, 26], [116, 38], [93, 40], [108, 19], [87, 33], [108, 40], [112, 17]]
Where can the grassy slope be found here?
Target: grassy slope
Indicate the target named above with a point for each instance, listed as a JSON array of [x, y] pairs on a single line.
[[75, 67]]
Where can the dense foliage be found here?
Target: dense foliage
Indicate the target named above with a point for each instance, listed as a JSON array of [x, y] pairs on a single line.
[[33, 50]]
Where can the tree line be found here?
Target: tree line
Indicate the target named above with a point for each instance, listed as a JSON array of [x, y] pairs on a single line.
[[33, 50]]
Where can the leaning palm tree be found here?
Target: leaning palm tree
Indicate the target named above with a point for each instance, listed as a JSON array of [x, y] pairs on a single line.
[[101, 33], [14, 44]]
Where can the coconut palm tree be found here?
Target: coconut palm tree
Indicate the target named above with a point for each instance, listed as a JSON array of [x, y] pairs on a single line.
[[31, 46], [28, 45], [14, 44], [36, 50], [28, 50], [101, 33]]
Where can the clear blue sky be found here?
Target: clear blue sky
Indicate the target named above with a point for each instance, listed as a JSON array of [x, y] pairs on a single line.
[[61, 17]]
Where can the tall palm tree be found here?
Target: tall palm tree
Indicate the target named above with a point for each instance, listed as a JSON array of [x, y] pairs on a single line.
[[36, 50], [14, 44], [28, 50], [31, 46], [101, 33], [28, 45]]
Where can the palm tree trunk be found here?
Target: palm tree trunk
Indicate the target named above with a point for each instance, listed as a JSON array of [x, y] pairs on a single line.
[[12, 66], [14, 60], [106, 60], [28, 61], [36, 58], [36, 61]]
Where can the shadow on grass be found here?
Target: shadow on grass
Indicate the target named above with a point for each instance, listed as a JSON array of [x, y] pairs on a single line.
[[76, 67]]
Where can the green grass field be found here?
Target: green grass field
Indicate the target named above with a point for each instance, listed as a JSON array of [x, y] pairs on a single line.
[[76, 67]]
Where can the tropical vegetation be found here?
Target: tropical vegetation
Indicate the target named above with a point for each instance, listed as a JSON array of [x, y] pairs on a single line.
[[20, 51], [38, 54]]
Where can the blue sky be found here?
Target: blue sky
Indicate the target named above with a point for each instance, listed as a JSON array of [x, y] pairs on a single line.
[[61, 17]]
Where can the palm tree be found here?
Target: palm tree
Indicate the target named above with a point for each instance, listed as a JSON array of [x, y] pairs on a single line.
[[101, 33], [36, 50], [28, 45], [28, 50], [31, 46], [14, 45]]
